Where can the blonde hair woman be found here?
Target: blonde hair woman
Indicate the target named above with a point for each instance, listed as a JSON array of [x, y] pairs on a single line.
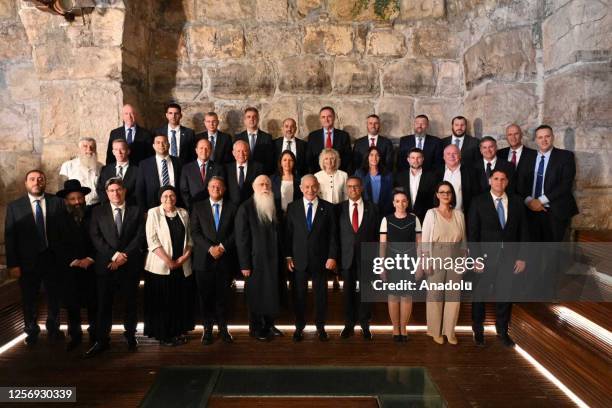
[[331, 180]]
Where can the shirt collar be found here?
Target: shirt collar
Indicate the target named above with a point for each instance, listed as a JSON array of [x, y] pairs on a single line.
[[359, 202], [419, 172], [32, 198], [492, 162], [547, 154], [314, 202], [212, 202], [517, 150], [504, 196], [178, 128], [200, 162], [114, 207]]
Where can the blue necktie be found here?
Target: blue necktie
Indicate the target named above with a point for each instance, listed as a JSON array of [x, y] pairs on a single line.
[[241, 176], [539, 179], [173, 146], [309, 217], [420, 143], [118, 221], [40, 221], [216, 216], [501, 213], [129, 137], [165, 174]]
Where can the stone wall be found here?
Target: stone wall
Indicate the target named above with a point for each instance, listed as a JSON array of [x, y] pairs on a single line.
[[494, 61]]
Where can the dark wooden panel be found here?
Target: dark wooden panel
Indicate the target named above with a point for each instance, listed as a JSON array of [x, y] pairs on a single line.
[[216, 402]]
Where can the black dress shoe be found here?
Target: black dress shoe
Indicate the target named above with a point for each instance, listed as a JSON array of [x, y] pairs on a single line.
[[366, 333], [207, 337], [336, 285], [322, 334], [73, 343], [479, 339], [298, 335], [397, 338], [168, 343], [276, 332], [96, 349], [347, 332], [225, 335], [131, 342], [506, 340], [404, 338], [31, 339]]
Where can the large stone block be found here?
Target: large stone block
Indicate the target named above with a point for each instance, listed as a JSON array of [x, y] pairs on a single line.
[[231, 115], [304, 7], [580, 96], [53, 62], [14, 43], [435, 41], [272, 10], [169, 45], [450, 79], [206, 42], [13, 168], [175, 13], [7, 9], [329, 39], [304, 75], [107, 27], [579, 31], [492, 106], [440, 112], [409, 77], [15, 130], [386, 43], [355, 77], [273, 41], [213, 10], [594, 207], [23, 84], [241, 79], [593, 169], [172, 82], [193, 114], [396, 115], [508, 55], [273, 113], [421, 9], [352, 116], [346, 10]]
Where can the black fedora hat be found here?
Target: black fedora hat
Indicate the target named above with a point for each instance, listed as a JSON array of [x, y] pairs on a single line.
[[72, 185]]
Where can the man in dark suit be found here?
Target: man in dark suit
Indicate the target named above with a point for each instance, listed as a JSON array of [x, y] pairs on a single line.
[[418, 183], [384, 145], [241, 173], [516, 153], [75, 257], [155, 172], [212, 230], [290, 142], [182, 139], [221, 143], [468, 145], [260, 142], [139, 139], [30, 232], [117, 231], [196, 175], [497, 222], [359, 222], [430, 145], [311, 251], [123, 168], [328, 137], [463, 178], [489, 162]]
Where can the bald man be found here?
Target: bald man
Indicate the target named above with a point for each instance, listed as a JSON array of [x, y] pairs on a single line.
[[139, 139]]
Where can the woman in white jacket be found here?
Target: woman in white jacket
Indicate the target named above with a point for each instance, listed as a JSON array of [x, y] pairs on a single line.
[[169, 286]]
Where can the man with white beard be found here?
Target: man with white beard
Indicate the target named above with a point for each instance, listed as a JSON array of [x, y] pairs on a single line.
[[85, 168], [257, 241]]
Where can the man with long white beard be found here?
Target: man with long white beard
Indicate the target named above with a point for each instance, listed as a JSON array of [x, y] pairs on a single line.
[[85, 168], [257, 240]]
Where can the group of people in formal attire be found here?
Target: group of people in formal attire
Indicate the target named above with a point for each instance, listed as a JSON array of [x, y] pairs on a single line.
[[197, 211]]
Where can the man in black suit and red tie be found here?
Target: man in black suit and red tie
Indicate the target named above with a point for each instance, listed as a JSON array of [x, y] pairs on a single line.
[[260, 142], [182, 139], [468, 145], [295, 145], [430, 145], [123, 168], [30, 235], [196, 175], [384, 145], [490, 162], [497, 222], [517, 154], [138, 138], [328, 137], [418, 183], [221, 143]]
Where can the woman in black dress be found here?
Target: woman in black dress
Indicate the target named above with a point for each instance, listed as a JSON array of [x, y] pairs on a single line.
[[169, 287], [399, 234]]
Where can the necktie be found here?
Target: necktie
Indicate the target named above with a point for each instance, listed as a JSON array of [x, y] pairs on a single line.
[[309, 217], [120, 171], [420, 143], [539, 179], [328, 141], [216, 216], [40, 221], [173, 146], [458, 142], [500, 212], [118, 220], [288, 145], [355, 218], [165, 174], [212, 142], [372, 142], [488, 170], [253, 141], [241, 176], [203, 172], [513, 159], [129, 137]]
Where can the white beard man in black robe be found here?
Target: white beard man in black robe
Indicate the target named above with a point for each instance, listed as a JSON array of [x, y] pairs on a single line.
[[257, 240]]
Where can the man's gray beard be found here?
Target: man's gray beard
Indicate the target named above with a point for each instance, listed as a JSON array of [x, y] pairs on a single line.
[[264, 205], [88, 161], [77, 212], [421, 134]]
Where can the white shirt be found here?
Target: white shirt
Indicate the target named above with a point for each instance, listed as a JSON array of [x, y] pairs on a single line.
[[415, 180], [72, 169], [518, 151], [331, 132], [159, 159], [124, 167], [370, 137], [212, 206], [504, 198], [460, 139], [359, 210], [286, 191], [422, 139], [238, 171], [291, 148], [43, 206], [454, 177], [113, 208], [543, 199], [493, 162], [178, 138], [315, 203], [249, 134]]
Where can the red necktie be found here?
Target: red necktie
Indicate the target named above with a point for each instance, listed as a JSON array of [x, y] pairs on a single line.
[[513, 160], [203, 172], [355, 218], [328, 141], [372, 142]]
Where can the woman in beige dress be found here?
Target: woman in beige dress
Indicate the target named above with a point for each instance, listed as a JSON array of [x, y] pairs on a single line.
[[444, 237], [331, 179]]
